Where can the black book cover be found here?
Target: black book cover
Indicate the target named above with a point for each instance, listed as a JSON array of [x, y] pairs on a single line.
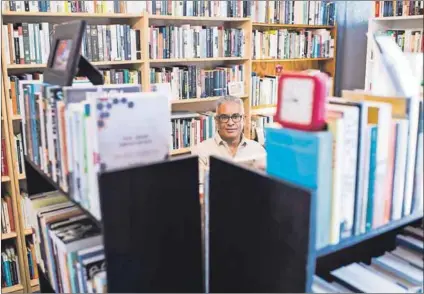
[[88, 42], [25, 39], [138, 44], [26, 5], [94, 43]]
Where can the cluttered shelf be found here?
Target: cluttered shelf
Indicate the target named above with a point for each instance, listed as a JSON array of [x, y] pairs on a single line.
[[57, 187], [352, 241]]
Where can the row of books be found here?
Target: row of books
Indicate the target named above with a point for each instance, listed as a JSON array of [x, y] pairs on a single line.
[[111, 76], [285, 44], [398, 271], [30, 43], [264, 90], [294, 12], [398, 8], [68, 244], [381, 179], [7, 219], [4, 166], [213, 8], [96, 6], [10, 274], [55, 126], [408, 40], [258, 125], [189, 41], [193, 82], [190, 129]]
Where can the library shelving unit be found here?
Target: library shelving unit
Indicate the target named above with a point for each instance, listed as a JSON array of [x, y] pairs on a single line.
[[143, 21], [381, 24], [9, 183]]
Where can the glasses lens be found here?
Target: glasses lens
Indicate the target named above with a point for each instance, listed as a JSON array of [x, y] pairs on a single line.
[[236, 117], [223, 118]]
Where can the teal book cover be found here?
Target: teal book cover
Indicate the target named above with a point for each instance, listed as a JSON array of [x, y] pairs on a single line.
[[305, 159]]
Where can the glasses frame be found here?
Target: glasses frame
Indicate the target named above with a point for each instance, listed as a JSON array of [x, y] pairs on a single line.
[[219, 117]]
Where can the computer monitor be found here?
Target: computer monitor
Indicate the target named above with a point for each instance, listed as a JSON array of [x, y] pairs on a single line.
[[65, 61]]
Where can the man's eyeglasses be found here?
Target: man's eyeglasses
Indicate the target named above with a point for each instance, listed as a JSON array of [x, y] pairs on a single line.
[[224, 118]]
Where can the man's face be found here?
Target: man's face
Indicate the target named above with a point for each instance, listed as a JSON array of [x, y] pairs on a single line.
[[230, 121]]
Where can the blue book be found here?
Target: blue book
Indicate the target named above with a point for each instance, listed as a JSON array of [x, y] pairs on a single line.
[[372, 176], [305, 159]]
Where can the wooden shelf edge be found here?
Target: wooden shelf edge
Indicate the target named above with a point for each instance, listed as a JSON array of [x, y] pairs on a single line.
[[71, 15], [406, 17], [294, 26], [180, 151], [293, 59], [6, 236], [5, 179], [199, 18], [12, 289], [182, 60], [98, 63], [35, 282], [200, 100], [28, 232]]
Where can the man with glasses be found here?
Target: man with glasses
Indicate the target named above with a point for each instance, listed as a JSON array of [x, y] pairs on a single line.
[[229, 141]]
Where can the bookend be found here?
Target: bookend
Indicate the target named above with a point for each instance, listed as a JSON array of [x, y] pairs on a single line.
[[152, 228], [259, 232]]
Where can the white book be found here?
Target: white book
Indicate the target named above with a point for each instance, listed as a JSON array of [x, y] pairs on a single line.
[[350, 145], [400, 267], [114, 44], [413, 257], [411, 288], [133, 45], [418, 196], [365, 281], [399, 168]]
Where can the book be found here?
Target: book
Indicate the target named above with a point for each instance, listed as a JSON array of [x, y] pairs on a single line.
[[310, 157], [4, 166]]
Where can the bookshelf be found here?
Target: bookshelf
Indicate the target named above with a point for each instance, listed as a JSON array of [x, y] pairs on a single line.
[[142, 22], [405, 23], [13, 238]]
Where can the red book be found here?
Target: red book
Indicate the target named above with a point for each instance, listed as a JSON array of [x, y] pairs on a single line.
[[377, 8], [10, 211]]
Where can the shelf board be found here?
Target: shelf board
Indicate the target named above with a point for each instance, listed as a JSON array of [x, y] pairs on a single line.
[[97, 63], [16, 117], [70, 15], [5, 179], [21, 177], [289, 26], [28, 232], [12, 289], [5, 236], [34, 282], [198, 18], [292, 59], [200, 100], [57, 187], [185, 60], [400, 18], [180, 151], [263, 110], [374, 233]]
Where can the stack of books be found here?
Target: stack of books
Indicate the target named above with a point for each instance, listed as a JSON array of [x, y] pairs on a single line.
[[285, 44], [189, 82], [190, 129], [294, 12], [68, 244], [410, 41], [187, 41], [398, 8], [398, 271], [30, 43], [10, 267], [7, 219]]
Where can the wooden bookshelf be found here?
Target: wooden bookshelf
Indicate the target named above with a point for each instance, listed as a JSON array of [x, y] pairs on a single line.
[[10, 184], [142, 22]]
